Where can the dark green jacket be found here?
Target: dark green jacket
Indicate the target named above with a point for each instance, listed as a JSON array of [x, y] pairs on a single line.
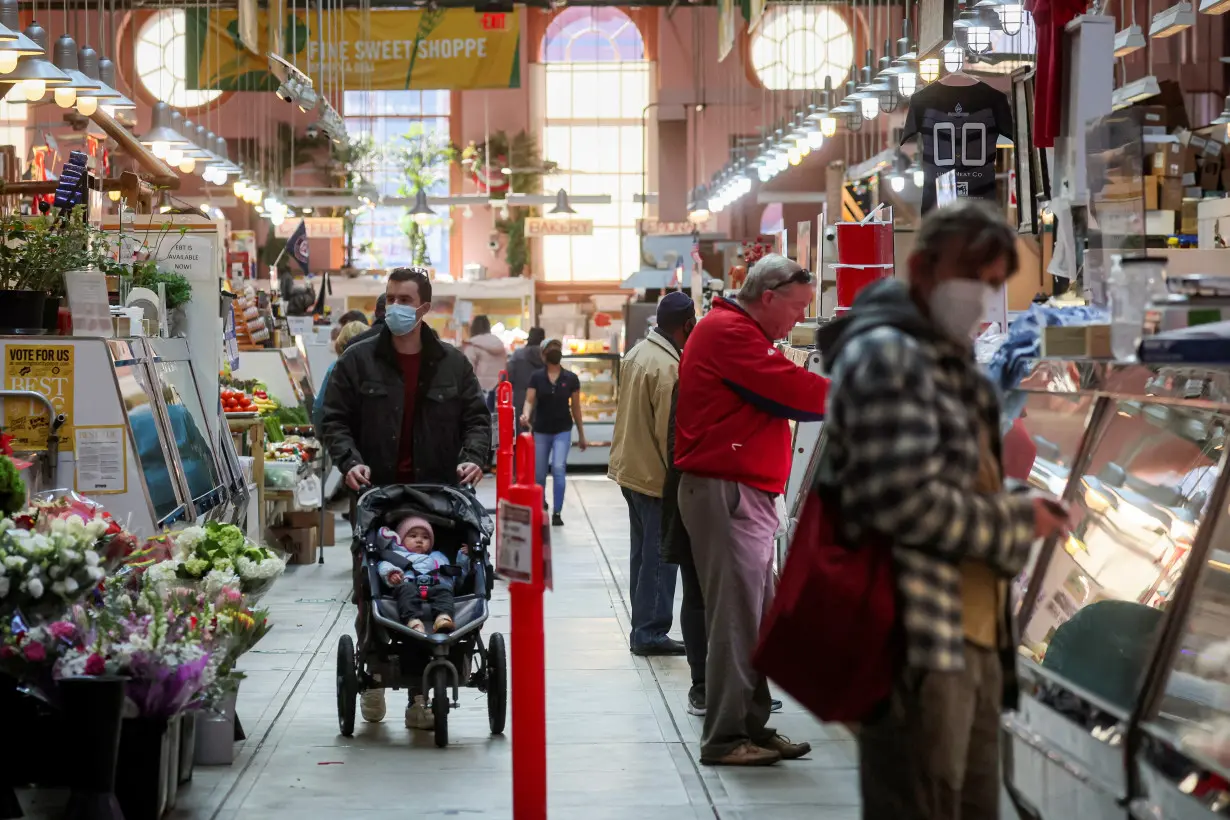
[[363, 404]]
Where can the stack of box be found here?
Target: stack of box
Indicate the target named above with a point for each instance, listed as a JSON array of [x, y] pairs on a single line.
[[1179, 173]]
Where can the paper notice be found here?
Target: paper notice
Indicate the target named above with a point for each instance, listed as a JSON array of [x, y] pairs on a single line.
[[101, 459]]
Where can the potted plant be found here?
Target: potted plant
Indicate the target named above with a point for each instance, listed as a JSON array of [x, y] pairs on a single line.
[[519, 153]]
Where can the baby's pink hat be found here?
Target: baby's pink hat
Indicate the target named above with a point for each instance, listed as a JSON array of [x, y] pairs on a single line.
[[407, 524]]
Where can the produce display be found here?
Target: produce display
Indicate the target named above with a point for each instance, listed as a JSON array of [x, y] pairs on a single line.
[[295, 449]]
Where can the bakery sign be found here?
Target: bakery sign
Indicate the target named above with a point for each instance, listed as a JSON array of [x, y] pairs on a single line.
[[542, 226], [652, 227]]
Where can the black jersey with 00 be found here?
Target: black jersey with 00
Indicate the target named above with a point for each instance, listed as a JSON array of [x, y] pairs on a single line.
[[958, 127]]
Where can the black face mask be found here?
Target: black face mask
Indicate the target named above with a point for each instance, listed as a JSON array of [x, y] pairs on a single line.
[[553, 356]]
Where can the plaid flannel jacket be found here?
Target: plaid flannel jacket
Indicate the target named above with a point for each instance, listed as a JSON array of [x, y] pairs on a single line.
[[902, 439]]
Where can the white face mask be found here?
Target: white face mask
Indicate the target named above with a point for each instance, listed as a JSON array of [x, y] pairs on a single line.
[[958, 305]]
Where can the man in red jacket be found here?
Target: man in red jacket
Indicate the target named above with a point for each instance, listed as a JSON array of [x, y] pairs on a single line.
[[737, 395]]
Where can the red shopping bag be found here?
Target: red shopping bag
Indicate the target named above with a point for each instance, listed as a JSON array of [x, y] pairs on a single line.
[[831, 639]]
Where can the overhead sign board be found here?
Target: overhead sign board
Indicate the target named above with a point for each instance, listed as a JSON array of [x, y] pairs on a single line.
[[541, 226]]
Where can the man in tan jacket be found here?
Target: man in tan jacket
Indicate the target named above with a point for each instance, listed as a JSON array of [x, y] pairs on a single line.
[[639, 459]]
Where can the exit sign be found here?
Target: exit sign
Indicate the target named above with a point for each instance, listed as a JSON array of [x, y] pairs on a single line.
[[495, 21]]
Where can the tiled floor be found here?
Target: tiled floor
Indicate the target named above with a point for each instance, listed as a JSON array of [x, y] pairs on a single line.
[[621, 744]]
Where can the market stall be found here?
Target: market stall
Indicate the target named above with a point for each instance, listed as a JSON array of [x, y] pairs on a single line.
[[599, 377], [1122, 657]]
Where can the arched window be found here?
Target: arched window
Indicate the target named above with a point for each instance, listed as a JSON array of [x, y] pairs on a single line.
[[595, 86], [161, 60], [796, 47]]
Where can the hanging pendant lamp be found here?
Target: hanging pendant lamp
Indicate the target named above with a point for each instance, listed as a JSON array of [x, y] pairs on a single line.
[[21, 46], [66, 60], [161, 138], [421, 213], [35, 73], [562, 206], [115, 101]]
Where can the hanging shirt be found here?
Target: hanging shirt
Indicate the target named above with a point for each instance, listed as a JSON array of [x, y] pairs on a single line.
[[405, 448], [1050, 16], [958, 127]]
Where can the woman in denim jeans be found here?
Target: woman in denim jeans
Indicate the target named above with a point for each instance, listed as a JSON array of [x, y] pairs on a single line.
[[553, 403]]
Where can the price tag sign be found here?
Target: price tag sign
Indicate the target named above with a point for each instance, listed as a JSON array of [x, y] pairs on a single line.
[[514, 548], [299, 325]]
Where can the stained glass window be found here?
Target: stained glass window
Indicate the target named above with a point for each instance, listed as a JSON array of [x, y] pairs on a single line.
[[798, 46], [161, 61], [594, 89]]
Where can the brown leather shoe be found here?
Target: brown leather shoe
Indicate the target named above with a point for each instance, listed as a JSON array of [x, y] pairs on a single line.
[[746, 754], [782, 745]]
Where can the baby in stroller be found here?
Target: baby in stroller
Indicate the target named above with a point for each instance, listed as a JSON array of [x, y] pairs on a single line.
[[421, 578]]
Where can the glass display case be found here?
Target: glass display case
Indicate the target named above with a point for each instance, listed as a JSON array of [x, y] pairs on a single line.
[[599, 377], [1123, 657]]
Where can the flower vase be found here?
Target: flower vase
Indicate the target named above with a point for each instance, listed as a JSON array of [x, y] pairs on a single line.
[[187, 746], [174, 737], [94, 707], [141, 783], [215, 733]]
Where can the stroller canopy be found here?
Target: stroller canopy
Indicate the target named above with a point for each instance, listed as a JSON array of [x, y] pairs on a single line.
[[440, 504]]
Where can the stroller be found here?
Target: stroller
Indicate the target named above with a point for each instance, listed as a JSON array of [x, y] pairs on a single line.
[[390, 655]]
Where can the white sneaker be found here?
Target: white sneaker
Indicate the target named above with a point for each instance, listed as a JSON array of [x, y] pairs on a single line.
[[371, 704], [418, 715]]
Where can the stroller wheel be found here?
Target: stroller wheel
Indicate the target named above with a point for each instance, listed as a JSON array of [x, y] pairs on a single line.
[[497, 684], [439, 708], [347, 686]]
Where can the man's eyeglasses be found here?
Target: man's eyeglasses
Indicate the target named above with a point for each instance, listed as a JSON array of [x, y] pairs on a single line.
[[799, 277]]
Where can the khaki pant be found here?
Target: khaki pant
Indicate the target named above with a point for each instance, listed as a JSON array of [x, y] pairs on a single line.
[[731, 527], [935, 754]]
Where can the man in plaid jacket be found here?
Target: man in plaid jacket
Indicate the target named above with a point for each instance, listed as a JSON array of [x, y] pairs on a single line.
[[912, 448]]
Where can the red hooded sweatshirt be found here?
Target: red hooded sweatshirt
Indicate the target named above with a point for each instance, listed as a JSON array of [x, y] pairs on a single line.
[[737, 395]]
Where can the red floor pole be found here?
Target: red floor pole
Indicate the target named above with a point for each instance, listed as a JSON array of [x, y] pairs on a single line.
[[507, 433], [529, 677]]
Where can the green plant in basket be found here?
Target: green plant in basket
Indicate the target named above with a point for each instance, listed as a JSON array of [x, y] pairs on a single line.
[[12, 488]]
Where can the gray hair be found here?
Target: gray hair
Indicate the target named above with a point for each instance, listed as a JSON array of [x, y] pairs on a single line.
[[772, 271]]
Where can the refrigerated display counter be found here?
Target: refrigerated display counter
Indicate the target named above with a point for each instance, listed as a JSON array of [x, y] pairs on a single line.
[[599, 377], [1124, 654]]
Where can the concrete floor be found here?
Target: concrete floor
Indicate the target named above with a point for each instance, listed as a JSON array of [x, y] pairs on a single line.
[[621, 744]]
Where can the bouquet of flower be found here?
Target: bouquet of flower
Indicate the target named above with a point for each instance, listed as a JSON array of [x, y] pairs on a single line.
[[30, 653], [114, 544], [218, 553], [44, 570], [242, 626]]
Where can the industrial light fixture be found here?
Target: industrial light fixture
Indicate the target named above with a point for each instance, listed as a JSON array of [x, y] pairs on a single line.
[[561, 204], [1130, 40], [1134, 92], [88, 101], [114, 195], [954, 57], [66, 60], [698, 210], [975, 26], [822, 113], [815, 137], [929, 69], [35, 73], [896, 181], [1009, 13], [421, 213], [21, 46], [920, 177], [161, 137], [1173, 20], [1206, 7], [869, 106]]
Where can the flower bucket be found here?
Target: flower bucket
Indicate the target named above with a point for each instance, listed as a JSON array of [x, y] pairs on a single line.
[[187, 746], [21, 312], [215, 738], [141, 783], [94, 707], [172, 767]]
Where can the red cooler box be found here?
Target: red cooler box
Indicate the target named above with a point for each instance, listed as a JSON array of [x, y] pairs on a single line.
[[853, 278], [865, 243]]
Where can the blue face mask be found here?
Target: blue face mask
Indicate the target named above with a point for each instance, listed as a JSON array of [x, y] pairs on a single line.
[[401, 319]]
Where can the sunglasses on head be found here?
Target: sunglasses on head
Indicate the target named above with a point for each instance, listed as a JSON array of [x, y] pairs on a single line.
[[799, 277]]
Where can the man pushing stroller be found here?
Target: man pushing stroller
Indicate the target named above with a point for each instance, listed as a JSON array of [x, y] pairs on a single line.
[[421, 578]]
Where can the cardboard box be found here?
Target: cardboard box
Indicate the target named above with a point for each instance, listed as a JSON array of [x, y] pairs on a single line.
[[1167, 160], [1188, 216], [1170, 194], [1079, 342], [1160, 223], [1152, 115], [1192, 152], [310, 519], [1152, 187], [299, 543]]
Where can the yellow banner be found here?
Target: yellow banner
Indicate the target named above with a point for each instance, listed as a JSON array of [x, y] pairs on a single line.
[[46, 369], [388, 51]]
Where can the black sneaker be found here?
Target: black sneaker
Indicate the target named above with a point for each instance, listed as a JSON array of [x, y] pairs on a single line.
[[777, 706], [556, 520], [696, 700]]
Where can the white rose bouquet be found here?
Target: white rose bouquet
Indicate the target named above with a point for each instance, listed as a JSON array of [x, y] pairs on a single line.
[[45, 570]]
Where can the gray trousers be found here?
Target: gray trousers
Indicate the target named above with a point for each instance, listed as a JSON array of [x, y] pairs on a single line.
[[935, 754], [731, 527]]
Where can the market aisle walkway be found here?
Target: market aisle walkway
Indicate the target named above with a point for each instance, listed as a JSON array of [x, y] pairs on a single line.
[[621, 742]]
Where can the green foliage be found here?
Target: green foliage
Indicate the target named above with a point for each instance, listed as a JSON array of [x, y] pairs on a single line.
[[521, 153], [148, 275], [12, 488], [424, 157], [35, 252]]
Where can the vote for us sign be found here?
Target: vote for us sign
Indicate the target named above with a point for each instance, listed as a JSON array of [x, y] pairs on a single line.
[[393, 49]]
